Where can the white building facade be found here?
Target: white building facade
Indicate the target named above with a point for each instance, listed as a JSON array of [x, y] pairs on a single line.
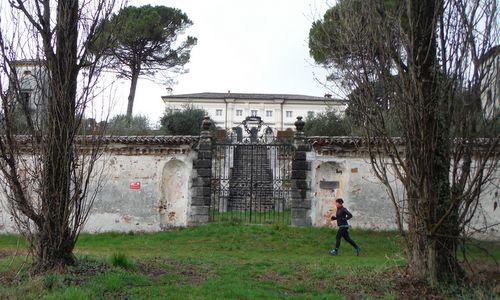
[[32, 78], [490, 83], [278, 111], [29, 86]]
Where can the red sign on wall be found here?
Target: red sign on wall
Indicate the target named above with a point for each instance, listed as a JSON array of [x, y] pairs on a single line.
[[135, 185]]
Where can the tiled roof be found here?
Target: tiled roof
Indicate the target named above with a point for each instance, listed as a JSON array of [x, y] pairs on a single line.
[[320, 141], [142, 140], [315, 141], [28, 62], [249, 96], [128, 140]]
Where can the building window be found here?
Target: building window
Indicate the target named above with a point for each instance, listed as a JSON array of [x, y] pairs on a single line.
[[288, 113], [25, 97], [253, 113], [269, 113], [239, 112], [218, 112], [310, 114], [489, 97]]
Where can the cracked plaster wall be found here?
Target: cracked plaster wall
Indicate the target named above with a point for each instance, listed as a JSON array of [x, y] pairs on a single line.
[[165, 189], [162, 201], [367, 199]]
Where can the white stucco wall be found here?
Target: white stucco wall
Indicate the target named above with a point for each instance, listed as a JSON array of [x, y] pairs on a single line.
[[162, 200], [367, 199], [6, 224], [364, 196], [175, 193], [490, 84]]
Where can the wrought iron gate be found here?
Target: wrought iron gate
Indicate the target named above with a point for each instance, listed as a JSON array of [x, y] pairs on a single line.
[[251, 176]]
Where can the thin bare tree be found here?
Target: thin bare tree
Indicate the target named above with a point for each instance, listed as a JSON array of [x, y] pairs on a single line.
[[423, 67], [47, 80]]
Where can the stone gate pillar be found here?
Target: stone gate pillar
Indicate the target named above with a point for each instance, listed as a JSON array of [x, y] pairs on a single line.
[[301, 202], [202, 166]]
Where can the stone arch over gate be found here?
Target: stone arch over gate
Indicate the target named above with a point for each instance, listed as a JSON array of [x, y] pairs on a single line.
[[174, 189]]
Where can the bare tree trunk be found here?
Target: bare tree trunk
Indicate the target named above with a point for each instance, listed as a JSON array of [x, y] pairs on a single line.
[[56, 241], [417, 242], [431, 59], [48, 186], [431, 158], [131, 95]]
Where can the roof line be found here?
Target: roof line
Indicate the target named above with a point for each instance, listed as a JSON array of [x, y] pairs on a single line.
[[210, 95]]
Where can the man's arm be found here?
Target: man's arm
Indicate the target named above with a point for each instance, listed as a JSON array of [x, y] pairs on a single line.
[[348, 215]]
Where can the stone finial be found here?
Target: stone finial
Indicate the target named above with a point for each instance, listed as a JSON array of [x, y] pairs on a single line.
[[206, 123], [299, 124]]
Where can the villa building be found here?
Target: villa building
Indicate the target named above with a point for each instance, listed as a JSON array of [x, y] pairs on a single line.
[[490, 85], [29, 86], [278, 111]]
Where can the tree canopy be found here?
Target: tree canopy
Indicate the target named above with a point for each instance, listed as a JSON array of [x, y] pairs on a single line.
[[121, 125], [417, 66], [144, 42], [182, 122], [327, 43], [328, 46], [328, 123]]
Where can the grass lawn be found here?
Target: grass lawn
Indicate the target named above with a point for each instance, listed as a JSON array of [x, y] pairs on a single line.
[[228, 261]]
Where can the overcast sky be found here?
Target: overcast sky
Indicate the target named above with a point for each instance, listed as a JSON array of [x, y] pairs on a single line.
[[245, 46]]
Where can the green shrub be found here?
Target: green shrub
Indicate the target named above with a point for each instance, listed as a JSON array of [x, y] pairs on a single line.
[[182, 122], [328, 123], [120, 125]]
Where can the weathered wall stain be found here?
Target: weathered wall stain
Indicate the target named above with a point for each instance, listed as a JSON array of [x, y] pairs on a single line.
[[174, 194], [165, 173], [364, 196], [334, 178]]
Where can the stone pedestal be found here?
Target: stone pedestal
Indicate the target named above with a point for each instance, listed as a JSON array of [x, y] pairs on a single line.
[[301, 184], [202, 166]]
